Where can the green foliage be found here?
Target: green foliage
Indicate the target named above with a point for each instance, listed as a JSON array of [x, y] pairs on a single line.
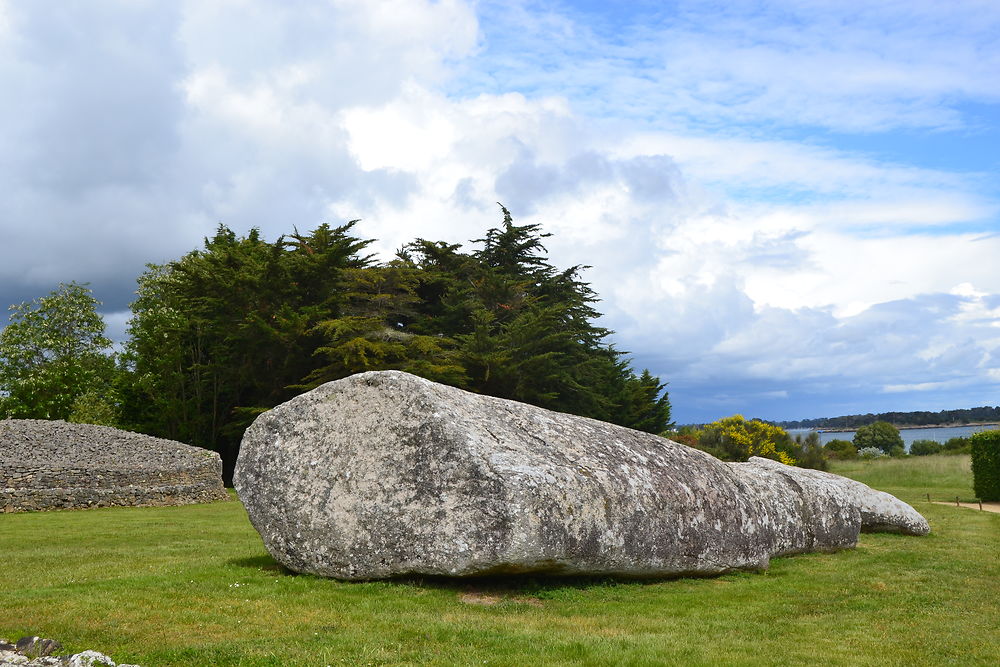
[[808, 453], [870, 453], [736, 439], [957, 445], [231, 330], [52, 352], [986, 464], [841, 449], [96, 407], [223, 333], [925, 447], [644, 405], [371, 333], [881, 435], [524, 330]]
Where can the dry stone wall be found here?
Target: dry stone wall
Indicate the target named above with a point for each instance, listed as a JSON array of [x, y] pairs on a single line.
[[47, 465]]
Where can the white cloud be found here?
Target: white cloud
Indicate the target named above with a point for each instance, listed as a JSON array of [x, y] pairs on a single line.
[[746, 268], [828, 64]]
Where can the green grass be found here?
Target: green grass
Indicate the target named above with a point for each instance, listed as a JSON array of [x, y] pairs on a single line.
[[911, 478], [194, 586]]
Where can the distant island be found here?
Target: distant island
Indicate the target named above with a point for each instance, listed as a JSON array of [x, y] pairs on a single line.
[[985, 414]]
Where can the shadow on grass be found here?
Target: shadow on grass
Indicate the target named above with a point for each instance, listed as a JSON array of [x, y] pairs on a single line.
[[498, 583], [540, 582], [265, 563]]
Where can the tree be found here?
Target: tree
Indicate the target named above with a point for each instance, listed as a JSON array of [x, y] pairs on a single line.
[[957, 445], [736, 439], [644, 405], [925, 447], [229, 331], [371, 332], [525, 330], [841, 449], [53, 352], [881, 435], [808, 453], [233, 329]]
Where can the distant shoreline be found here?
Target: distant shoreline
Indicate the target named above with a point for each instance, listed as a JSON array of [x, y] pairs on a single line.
[[901, 428]]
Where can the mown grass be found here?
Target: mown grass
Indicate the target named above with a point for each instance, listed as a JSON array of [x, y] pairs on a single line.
[[194, 586]]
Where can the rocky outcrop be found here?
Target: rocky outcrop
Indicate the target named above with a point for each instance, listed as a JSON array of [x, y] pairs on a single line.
[[384, 474], [48, 465]]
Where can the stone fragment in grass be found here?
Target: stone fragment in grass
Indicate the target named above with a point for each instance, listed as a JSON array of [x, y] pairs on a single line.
[[91, 659], [384, 474], [36, 647]]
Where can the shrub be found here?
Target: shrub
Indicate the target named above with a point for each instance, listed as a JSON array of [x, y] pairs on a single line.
[[883, 435], [738, 439], [94, 407], [897, 451], [841, 449], [925, 447], [810, 454], [869, 453], [956, 446], [986, 464]]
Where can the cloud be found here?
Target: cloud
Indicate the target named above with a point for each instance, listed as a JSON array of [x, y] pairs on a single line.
[[755, 270], [135, 128], [823, 64]]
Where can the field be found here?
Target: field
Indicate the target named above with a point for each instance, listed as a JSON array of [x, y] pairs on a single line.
[[194, 586]]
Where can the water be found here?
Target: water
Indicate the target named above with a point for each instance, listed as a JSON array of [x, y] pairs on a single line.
[[941, 435]]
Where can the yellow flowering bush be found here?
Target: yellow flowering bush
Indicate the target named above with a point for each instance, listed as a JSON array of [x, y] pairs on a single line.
[[737, 439]]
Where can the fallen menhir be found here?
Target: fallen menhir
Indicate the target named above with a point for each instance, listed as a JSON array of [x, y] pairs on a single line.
[[384, 474]]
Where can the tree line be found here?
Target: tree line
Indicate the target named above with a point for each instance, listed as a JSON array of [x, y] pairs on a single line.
[[233, 328], [985, 413]]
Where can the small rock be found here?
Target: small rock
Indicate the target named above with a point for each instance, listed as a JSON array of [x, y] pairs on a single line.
[[12, 659], [90, 659], [24, 642], [36, 647]]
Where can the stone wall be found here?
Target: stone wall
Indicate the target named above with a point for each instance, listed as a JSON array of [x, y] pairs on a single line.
[[46, 465]]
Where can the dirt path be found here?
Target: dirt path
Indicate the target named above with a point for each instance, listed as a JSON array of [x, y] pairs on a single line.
[[987, 507]]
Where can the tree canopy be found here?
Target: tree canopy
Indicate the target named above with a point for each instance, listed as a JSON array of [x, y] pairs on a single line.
[[881, 435], [52, 353], [232, 329]]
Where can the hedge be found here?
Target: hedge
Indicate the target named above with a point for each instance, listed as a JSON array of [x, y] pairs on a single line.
[[986, 464]]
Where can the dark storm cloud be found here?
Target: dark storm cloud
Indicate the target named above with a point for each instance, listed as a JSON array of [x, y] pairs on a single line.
[[111, 161]]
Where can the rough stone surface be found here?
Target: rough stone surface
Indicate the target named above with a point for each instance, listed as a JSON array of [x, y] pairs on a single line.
[[48, 465], [36, 647], [384, 473], [22, 654], [879, 511]]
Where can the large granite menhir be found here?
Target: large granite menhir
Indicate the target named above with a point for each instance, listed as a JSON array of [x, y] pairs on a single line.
[[47, 465], [384, 473]]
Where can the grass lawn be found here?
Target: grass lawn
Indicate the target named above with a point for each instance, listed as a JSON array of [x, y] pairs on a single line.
[[194, 586]]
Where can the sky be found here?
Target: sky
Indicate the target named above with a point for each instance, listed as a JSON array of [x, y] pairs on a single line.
[[791, 209]]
